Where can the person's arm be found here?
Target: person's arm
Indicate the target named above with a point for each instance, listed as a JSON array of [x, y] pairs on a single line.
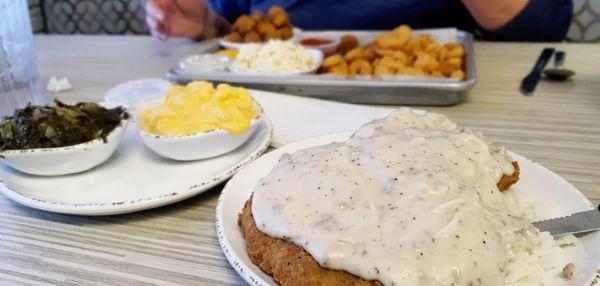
[[184, 18], [522, 20]]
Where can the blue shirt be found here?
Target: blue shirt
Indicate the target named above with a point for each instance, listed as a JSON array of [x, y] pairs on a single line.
[[541, 20]]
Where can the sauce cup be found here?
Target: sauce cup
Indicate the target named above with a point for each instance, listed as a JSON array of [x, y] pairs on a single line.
[[326, 44], [65, 160], [197, 146]]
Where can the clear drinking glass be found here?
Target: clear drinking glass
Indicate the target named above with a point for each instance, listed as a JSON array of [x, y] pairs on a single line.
[[18, 67]]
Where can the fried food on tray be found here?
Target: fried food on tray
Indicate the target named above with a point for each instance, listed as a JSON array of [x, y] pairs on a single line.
[[280, 20], [354, 54], [347, 42], [333, 61], [389, 41], [259, 27], [286, 33], [339, 70], [234, 37], [258, 16], [398, 52], [287, 263], [276, 10], [360, 66], [244, 24], [252, 37], [454, 51]]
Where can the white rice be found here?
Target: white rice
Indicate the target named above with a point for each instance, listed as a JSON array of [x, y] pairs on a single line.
[[539, 263]]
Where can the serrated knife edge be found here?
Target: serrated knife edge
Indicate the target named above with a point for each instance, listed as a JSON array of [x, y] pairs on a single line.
[[576, 223]]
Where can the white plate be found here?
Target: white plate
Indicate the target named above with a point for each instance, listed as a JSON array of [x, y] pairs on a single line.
[[235, 46], [536, 182], [317, 57], [131, 93], [133, 179]]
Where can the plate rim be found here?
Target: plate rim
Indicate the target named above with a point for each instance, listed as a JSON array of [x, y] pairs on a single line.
[[247, 274], [122, 207]]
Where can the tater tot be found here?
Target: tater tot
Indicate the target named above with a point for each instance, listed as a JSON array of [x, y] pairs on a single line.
[[389, 41], [360, 66], [426, 62], [456, 63], [436, 73], [458, 74], [263, 27], [389, 60], [332, 61], [384, 70], [370, 54], [272, 34], [354, 54], [411, 71], [400, 56], [454, 50], [414, 45], [434, 49], [341, 69], [446, 69], [403, 32], [384, 52], [375, 62], [280, 20], [244, 24], [286, 33], [347, 42], [234, 37], [258, 16], [252, 37], [448, 66], [275, 10]]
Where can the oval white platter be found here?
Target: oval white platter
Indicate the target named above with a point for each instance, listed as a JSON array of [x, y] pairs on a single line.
[[537, 183], [235, 46], [133, 179]]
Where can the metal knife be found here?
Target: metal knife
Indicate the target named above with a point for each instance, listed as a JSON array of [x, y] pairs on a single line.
[[576, 223], [531, 80]]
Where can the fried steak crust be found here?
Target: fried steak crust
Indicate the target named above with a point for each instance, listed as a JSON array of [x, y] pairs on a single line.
[[507, 181], [290, 265]]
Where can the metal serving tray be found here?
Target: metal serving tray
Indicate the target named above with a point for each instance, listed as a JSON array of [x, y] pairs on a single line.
[[396, 91]]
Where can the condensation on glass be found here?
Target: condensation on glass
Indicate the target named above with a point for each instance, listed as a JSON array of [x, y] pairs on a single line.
[[18, 66]]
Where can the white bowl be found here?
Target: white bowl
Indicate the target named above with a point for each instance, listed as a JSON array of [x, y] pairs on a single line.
[[201, 145], [65, 160], [236, 46], [205, 63], [317, 57]]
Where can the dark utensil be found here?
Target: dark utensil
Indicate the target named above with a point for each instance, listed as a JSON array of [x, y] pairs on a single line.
[[530, 81], [559, 73]]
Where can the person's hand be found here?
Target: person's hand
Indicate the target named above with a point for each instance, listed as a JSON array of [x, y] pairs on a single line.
[[183, 18]]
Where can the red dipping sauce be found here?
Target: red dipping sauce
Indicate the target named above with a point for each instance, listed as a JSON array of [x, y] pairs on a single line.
[[313, 42], [328, 45]]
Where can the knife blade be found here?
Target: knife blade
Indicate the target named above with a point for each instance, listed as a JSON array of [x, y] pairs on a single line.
[[576, 223], [531, 80]]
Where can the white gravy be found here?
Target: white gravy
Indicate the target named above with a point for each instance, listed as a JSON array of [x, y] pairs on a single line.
[[407, 200]]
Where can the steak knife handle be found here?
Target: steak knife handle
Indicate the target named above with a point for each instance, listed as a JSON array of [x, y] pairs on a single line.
[[545, 56]]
